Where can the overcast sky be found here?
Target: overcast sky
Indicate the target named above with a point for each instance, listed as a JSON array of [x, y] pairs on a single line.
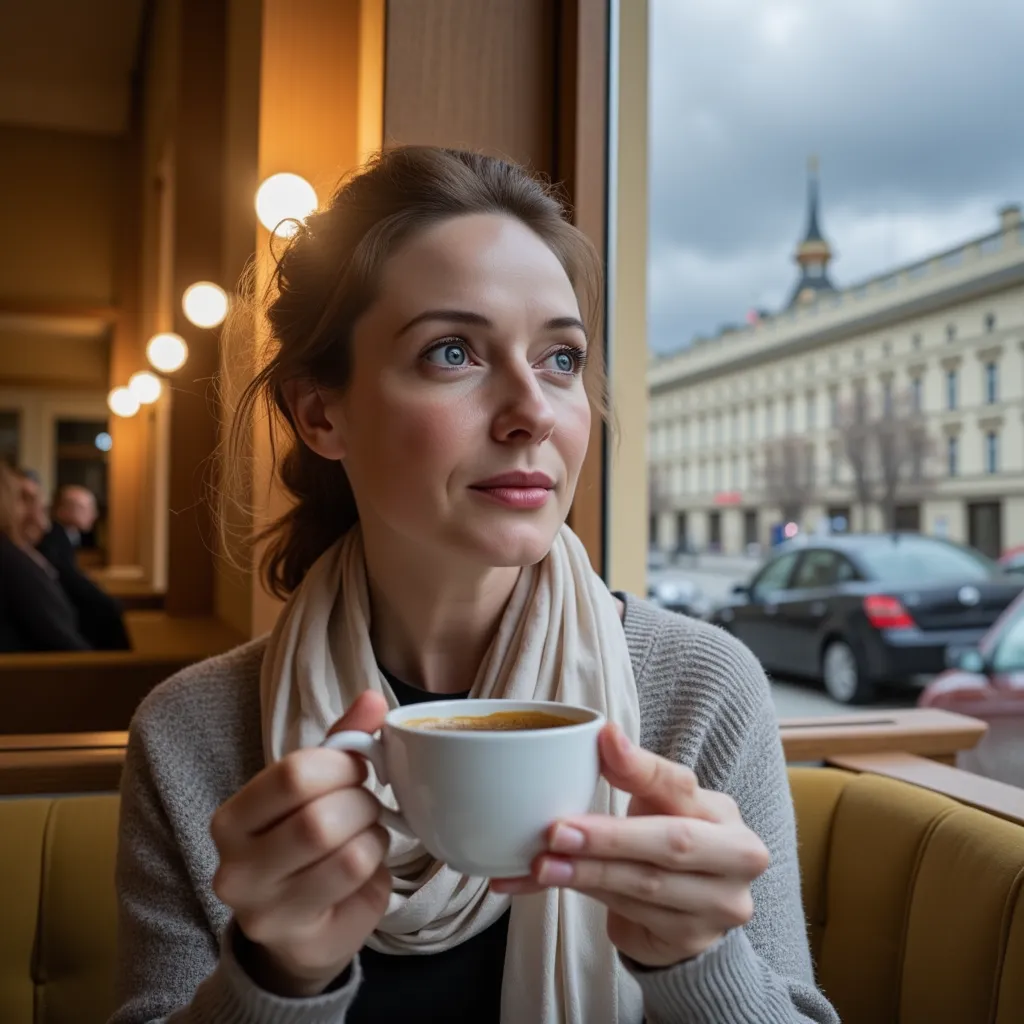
[[912, 105]]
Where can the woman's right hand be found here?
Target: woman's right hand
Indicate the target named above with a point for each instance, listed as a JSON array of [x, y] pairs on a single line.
[[302, 862]]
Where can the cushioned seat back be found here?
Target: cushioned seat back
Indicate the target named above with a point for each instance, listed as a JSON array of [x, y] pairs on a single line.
[[57, 943], [914, 902]]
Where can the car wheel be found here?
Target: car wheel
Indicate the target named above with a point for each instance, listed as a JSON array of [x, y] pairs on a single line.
[[842, 675]]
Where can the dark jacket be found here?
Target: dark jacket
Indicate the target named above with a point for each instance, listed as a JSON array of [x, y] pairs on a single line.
[[99, 615], [35, 613]]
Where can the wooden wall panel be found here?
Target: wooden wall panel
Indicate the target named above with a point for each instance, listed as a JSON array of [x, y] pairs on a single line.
[[523, 79]]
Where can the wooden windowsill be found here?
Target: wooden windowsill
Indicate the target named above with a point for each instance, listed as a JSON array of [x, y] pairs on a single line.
[[929, 732]]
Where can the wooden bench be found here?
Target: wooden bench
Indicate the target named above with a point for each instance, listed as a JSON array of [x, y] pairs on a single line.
[[91, 691]]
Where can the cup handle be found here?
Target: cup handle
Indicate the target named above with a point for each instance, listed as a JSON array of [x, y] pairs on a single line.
[[365, 745]]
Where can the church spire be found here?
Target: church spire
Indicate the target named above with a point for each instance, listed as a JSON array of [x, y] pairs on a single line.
[[813, 253]]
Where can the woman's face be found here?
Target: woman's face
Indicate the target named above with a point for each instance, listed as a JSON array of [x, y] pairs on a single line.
[[465, 423]]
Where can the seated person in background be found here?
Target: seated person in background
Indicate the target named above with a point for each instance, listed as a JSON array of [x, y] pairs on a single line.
[[35, 613], [99, 614]]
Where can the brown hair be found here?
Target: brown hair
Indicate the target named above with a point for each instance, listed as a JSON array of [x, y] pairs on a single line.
[[326, 278], [10, 483]]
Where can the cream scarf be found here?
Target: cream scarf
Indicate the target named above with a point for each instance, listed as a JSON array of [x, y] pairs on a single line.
[[560, 638]]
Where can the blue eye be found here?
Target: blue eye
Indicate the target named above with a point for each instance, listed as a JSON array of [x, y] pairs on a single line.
[[566, 360], [450, 355]]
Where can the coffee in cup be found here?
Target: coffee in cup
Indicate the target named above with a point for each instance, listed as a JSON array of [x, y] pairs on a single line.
[[479, 782]]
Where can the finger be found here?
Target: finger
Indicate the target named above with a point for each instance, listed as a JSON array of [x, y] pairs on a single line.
[[516, 886], [669, 842], [724, 902], [315, 831], [298, 778], [336, 878], [666, 786]]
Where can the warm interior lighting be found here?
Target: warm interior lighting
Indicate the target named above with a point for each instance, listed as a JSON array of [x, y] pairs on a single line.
[[122, 402], [205, 304], [145, 387], [284, 198], [166, 352]]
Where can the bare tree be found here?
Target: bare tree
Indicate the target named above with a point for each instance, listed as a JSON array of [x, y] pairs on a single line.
[[887, 446], [787, 476], [904, 449]]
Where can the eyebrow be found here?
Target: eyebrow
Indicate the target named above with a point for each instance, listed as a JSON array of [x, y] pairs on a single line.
[[463, 316]]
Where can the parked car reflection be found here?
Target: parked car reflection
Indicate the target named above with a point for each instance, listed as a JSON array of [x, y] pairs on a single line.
[[680, 595], [859, 610]]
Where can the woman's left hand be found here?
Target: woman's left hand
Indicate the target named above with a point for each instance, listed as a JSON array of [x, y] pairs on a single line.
[[675, 874]]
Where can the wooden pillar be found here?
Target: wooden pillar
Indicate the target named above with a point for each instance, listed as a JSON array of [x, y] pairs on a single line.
[[523, 79], [321, 83], [198, 158]]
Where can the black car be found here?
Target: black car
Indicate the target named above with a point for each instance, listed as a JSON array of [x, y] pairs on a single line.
[[863, 609]]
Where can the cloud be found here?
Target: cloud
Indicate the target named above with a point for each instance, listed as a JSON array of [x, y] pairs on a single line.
[[910, 103]]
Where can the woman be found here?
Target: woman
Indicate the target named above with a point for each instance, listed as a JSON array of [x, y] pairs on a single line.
[[35, 614], [435, 365]]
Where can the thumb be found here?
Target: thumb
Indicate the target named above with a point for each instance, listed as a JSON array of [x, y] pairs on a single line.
[[366, 714]]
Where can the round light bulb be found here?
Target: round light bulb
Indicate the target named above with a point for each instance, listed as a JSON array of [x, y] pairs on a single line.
[[104, 441], [122, 402], [145, 387], [166, 352], [205, 304], [282, 200]]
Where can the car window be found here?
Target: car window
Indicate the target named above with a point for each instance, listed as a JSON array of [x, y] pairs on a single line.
[[774, 576], [917, 560], [822, 569]]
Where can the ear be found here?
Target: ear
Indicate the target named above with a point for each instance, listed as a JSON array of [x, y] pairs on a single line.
[[318, 418]]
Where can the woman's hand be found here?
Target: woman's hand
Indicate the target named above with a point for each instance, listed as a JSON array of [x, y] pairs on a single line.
[[302, 862], [675, 874]]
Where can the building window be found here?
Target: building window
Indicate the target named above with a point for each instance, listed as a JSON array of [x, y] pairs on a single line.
[[833, 406], [991, 452], [916, 393], [684, 479], [703, 480], [990, 322], [790, 416], [769, 418], [952, 448], [812, 408], [951, 389], [751, 423], [886, 348], [887, 397], [950, 332], [718, 475], [702, 431], [718, 429], [833, 465], [735, 425], [915, 342], [991, 383], [735, 473]]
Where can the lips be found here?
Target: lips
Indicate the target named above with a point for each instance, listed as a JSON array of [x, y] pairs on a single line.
[[526, 491]]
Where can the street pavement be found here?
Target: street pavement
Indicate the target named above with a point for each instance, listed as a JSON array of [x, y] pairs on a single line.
[[716, 575]]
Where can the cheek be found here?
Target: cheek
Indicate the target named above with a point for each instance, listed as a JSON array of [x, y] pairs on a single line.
[[574, 431]]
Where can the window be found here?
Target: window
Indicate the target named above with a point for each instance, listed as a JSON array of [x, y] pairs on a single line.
[[812, 408], [769, 418], [1009, 653], [9, 423], [734, 475], [774, 576], [751, 423], [684, 479], [702, 431], [703, 480], [887, 397], [718, 429], [790, 416], [858, 357], [822, 569], [915, 342], [833, 465], [951, 454], [991, 383], [718, 475], [886, 348], [833, 405], [735, 424], [916, 393], [950, 332], [991, 452], [951, 389], [916, 561], [990, 322]]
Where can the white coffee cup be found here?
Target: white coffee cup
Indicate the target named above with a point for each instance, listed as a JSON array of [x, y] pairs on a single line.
[[482, 801]]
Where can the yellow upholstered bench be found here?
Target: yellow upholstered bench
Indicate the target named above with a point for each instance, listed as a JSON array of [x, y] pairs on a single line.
[[915, 904]]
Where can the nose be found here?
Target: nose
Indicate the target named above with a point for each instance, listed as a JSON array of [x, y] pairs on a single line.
[[525, 412]]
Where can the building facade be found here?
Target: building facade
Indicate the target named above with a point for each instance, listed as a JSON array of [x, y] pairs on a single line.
[[945, 334]]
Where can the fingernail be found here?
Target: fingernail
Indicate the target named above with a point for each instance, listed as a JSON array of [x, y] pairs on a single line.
[[567, 839], [555, 872]]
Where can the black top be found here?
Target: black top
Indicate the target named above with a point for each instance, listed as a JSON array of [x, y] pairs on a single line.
[[35, 614], [460, 984], [99, 614]]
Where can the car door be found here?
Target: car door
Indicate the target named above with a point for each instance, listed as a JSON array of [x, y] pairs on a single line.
[[756, 621], [815, 584]]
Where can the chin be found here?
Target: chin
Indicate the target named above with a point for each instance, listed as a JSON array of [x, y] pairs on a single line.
[[502, 545]]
